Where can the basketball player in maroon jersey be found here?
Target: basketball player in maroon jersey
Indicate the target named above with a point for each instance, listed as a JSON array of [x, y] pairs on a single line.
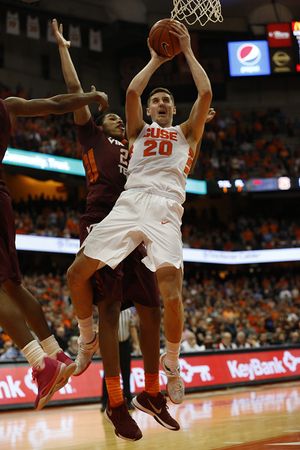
[[105, 157], [51, 367]]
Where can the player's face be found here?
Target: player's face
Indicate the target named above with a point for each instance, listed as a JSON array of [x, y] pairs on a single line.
[[113, 126], [161, 109]]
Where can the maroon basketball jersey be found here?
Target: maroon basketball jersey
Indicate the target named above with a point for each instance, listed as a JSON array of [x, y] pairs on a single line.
[[9, 266], [4, 133], [105, 161]]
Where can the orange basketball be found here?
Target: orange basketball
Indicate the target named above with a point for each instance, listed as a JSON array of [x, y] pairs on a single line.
[[162, 41]]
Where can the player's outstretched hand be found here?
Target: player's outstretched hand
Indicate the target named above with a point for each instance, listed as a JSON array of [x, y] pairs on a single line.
[[58, 33], [181, 32], [210, 115], [154, 55], [102, 99]]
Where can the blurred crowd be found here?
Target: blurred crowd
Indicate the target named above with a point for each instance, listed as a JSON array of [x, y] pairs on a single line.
[[222, 311], [254, 231], [235, 144], [45, 217], [244, 144], [246, 309]]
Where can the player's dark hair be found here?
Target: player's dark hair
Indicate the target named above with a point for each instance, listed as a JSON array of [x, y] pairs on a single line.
[[100, 118], [160, 89]]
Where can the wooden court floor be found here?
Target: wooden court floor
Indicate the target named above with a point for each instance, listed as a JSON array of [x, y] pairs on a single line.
[[252, 418]]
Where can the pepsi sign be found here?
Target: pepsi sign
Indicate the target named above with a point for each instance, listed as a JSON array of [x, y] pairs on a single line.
[[248, 58]]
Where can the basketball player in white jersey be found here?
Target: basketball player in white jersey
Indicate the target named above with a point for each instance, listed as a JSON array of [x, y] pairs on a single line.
[[150, 208]]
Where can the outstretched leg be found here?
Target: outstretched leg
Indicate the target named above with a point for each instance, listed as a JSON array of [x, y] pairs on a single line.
[[151, 400], [116, 409], [12, 321], [149, 336], [32, 311], [29, 307], [78, 276], [47, 372], [170, 285]]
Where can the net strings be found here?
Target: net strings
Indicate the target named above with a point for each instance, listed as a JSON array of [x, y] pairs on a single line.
[[202, 11]]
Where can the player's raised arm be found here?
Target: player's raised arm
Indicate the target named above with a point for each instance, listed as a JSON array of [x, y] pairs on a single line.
[[81, 115], [193, 127], [211, 114], [133, 107], [59, 104]]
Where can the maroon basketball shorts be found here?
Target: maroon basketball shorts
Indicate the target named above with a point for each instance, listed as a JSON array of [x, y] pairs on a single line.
[[130, 281], [9, 265]]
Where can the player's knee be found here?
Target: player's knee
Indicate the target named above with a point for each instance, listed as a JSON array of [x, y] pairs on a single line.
[[81, 270], [74, 276], [70, 275], [173, 302]]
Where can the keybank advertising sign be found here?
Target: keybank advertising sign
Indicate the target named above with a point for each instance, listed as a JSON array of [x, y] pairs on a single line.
[[247, 58]]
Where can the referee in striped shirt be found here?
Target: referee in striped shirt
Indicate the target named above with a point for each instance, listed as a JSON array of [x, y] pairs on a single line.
[[128, 341]]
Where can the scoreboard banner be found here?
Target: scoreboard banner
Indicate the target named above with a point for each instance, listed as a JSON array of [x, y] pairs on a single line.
[[278, 55], [296, 34], [200, 371], [282, 60], [279, 34]]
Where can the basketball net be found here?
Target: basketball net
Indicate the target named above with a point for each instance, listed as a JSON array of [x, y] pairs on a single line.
[[202, 11]]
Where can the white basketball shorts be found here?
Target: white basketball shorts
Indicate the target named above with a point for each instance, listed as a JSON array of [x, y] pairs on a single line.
[[138, 217]]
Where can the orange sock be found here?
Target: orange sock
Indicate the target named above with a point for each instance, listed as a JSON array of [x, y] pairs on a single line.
[[114, 391], [152, 383]]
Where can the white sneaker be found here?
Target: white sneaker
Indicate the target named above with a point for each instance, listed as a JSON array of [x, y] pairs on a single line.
[[175, 385], [85, 354]]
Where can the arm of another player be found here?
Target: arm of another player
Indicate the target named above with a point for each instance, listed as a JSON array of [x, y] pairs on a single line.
[[81, 115], [194, 126], [133, 106], [59, 104], [211, 114]]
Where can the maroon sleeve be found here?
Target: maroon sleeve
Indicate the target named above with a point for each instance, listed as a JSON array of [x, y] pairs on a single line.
[[105, 167], [88, 134], [4, 132]]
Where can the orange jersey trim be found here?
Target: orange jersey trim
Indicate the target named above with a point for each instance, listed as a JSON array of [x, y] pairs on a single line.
[[189, 162], [131, 150], [90, 165]]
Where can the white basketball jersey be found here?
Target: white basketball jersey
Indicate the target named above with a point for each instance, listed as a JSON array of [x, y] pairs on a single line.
[[160, 159]]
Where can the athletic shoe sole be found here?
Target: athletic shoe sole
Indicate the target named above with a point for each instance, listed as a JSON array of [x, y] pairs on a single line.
[[151, 413], [80, 373], [70, 370]]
